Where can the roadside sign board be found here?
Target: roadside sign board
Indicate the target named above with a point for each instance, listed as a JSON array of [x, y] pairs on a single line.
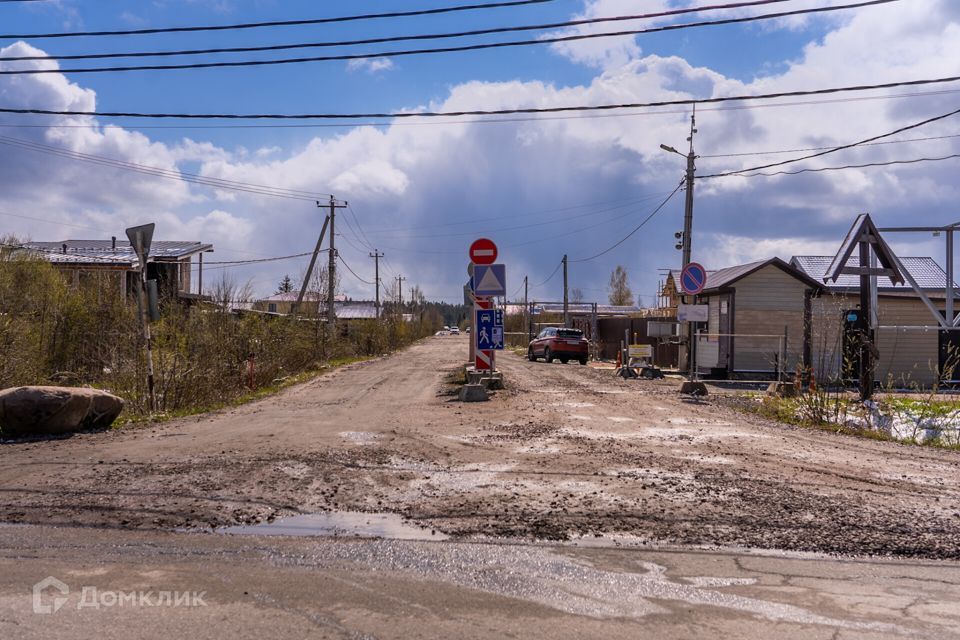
[[693, 278], [489, 331], [140, 239], [490, 280], [693, 312], [641, 351], [483, 251]]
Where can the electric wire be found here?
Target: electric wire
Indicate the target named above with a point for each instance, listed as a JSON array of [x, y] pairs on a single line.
[[484, 112], [216, 183], [635, 229], [886, 163], [835, 149], [404, 38], [272, 23], [354, 273], [550, 277], [578, 116], [802, 150], [450, 49]]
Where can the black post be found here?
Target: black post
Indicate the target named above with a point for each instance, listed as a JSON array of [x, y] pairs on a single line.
[[866, 336]]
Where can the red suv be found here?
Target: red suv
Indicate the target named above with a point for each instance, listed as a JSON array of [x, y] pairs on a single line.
[[564, 344]]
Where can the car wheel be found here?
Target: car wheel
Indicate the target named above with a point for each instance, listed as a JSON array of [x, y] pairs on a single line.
[[531, 356], [564, 360], [547, 355], [583, 361]]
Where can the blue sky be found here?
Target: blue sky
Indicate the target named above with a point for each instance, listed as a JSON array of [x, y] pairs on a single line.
[[541, 189]]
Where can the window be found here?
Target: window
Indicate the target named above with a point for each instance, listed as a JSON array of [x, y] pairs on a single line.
[[272, 307]]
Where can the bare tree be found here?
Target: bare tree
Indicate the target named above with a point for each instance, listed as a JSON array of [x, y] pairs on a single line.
[[576, 296], [620, 293]]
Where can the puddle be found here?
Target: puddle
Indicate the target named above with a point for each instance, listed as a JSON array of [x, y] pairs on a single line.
[[619, 419], [574, 405], [338, 524], [360, 437]]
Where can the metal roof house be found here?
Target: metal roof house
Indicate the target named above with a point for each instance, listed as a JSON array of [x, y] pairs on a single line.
[[170, 263], [758, 316], [912, 351]]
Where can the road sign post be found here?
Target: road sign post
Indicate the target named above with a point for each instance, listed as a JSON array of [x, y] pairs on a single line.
[[140, 240], [486, 280], [693, 279]]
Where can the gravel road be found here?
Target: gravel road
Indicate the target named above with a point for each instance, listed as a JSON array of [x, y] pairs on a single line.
[[565, 452]]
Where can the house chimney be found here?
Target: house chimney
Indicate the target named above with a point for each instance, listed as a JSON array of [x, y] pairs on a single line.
[[113, 242]]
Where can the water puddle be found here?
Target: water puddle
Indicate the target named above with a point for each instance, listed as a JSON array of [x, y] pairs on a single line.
[[338, 524], [360, 437]]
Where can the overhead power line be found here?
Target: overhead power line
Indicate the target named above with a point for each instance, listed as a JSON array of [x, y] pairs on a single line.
[[406, 38], [866, 144], [576, 116], [835, 149], [451, 49], [273, 23], [207, 181], [344, 262], [887, 163], [484, 112], [550, 277], [635, 229]]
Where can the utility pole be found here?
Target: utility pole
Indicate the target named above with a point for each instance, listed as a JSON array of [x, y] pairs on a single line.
[[687, 240], [376, 255], [566, 302], [688, 208], [400, 280], [313, 261], [332, 268], [526, 306]]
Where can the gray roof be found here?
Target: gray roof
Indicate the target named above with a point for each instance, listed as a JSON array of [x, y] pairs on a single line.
[[721, 278], [925, 271], [582, 307], [104, 252], [355, 310]]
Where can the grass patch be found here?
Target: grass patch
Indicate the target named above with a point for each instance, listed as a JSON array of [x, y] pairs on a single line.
[[252, 396]]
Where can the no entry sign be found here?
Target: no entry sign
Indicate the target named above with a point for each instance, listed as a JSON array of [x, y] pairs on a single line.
[[693, 278], [483, 251]]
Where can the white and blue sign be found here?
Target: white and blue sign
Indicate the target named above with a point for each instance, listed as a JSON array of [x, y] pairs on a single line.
[[489, 328], [693, 278], [490, 279]]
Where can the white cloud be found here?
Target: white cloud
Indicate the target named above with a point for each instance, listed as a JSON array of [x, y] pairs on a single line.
[[413, 184], [370, 65]]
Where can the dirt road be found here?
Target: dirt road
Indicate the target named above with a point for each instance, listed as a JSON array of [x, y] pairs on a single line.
[[567, 451]]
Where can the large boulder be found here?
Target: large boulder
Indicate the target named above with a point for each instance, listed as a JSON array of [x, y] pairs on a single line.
[[55, 410]]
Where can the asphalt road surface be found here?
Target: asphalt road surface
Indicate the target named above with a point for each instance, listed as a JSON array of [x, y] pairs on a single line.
[[700, 519]]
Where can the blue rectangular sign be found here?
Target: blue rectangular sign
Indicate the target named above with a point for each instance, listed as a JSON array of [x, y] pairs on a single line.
[[489, 328]]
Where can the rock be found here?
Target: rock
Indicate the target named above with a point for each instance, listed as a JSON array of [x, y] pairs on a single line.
[[473, 393], [56, 410], [782, 389], [690, 387]]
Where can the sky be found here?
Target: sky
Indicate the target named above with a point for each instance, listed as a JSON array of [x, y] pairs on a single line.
[[420, 190]]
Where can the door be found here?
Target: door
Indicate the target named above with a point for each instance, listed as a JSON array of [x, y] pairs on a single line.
[[725, 328]]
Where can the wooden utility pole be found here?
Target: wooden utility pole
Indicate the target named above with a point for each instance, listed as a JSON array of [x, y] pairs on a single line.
[[376, 255], [400, 280], [526, 306], [566, 300], [332, 268], [313, 261]]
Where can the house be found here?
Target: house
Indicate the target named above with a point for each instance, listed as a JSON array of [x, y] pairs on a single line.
[[768, 317], [758, 315], [170, 263], [911, 349]]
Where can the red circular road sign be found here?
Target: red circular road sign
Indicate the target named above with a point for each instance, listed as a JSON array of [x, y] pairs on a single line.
[[483, 251], [693, 278]]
